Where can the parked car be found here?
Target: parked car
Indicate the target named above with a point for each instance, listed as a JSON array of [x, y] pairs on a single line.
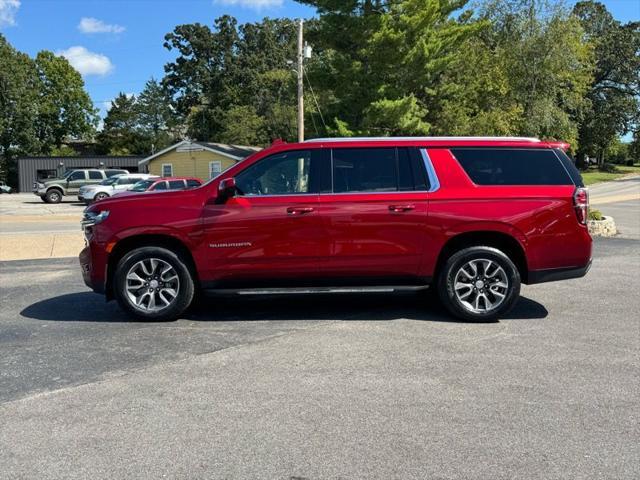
[[54, 189], [163, 184], [471, 217], [111, 186], [4, 188]]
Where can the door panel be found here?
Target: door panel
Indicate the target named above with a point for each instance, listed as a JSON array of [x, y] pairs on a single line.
[[249, 239], [271, 230], [76, 180], [379, 235]]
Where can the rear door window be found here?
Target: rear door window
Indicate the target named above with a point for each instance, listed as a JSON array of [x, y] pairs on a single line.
[[191, 183], [95, 175], [371, 170], [176, 185], [508, 166]]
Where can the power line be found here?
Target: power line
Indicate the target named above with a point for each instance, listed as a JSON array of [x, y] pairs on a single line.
[[315, 99]]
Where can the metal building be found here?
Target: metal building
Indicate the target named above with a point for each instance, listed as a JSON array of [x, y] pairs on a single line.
[[31, 169]]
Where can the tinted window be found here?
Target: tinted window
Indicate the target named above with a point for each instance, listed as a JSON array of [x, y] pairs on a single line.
[[176, 185], [142, 185], [371, 170], [570, 165], [160, 186], [280, 174], [193, 183], [77, 175], [93, 175], [486, 166]]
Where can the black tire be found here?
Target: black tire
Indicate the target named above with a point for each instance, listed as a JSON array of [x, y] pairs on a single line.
[[453, 265], [53, 196], [186, 287], [100, 196]]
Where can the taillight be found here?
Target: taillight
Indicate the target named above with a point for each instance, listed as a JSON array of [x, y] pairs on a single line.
[[581, 202]]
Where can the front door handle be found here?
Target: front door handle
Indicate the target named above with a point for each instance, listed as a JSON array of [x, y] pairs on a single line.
[[299, 210], [401, 208]]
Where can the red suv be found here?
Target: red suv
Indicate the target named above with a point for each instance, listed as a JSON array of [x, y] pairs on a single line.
[[472, 217]]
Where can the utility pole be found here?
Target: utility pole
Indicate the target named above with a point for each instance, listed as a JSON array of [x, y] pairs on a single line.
[[300, 82]]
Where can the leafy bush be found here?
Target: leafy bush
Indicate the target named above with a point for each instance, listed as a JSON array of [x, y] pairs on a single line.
[[595, 215], [609, 168]]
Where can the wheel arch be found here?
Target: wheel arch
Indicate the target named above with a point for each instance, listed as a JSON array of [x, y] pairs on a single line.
[[56, 187], [504, 242], [161, 240]]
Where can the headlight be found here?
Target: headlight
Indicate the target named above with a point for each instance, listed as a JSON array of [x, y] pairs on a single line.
[[92, 218]]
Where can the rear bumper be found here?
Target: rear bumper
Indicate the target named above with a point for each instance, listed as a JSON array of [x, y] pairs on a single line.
[[555, 274]]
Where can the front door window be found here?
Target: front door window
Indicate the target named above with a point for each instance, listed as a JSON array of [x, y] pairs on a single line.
[[281, 174]]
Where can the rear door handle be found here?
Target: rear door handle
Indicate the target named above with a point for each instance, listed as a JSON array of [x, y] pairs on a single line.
[[401, 208], [299, 210]]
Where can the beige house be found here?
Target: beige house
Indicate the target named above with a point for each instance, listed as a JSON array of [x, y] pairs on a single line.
[[203, 160]]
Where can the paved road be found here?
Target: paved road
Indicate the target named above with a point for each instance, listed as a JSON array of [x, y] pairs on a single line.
[[616, 191], [321, 387]]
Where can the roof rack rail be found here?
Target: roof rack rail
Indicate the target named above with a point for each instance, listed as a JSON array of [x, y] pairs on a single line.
[[430, 139]]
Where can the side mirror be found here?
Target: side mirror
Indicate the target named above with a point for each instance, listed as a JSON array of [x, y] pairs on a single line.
[[227, 188]]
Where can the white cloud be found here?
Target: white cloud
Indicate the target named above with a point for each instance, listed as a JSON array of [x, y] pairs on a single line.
[[86, 62], [8, 10], [93, 25], [255, 4]]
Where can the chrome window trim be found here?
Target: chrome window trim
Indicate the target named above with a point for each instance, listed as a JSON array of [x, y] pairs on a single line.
[[434, 183]]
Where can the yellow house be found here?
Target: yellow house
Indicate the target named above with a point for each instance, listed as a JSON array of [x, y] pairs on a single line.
[[202, 160]]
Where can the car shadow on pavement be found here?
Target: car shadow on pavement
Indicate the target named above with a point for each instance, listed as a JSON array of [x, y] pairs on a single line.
[[90, 307]]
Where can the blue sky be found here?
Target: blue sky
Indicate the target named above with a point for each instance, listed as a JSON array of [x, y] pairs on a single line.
[[117, 44]]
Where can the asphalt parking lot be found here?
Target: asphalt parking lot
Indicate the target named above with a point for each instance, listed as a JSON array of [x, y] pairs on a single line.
[[321, 387]]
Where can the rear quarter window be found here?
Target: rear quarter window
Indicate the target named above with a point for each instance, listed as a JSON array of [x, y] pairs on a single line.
[[506, 166]]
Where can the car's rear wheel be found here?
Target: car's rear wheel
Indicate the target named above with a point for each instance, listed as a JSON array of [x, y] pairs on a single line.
[[479, 284], [53, 196], [100, 196], [153, 283]]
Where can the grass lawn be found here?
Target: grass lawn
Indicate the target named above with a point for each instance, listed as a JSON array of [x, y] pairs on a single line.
[[592, 176]]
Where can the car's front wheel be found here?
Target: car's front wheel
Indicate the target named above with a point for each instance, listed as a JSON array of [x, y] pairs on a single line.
[[53, 196], [479, 284], [153, 283]]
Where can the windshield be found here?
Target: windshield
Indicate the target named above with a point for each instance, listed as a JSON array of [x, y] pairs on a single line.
[[142, 185], [109, 181]]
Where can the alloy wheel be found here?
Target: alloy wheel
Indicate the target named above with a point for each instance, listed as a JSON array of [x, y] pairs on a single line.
[[481, 285], [152, 285]]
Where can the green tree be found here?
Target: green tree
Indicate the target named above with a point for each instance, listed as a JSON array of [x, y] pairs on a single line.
[[155, 116], [526, 73], [18, 108], [65, 108], [121, 134], [381, 64], [613, 94], [230, 69], [242, 126]]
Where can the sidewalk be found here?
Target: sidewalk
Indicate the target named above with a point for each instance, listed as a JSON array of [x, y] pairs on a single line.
[[31, 229]]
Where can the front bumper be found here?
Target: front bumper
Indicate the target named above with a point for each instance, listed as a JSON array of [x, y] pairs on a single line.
[[93, 275], [86, 195], [555, 274]]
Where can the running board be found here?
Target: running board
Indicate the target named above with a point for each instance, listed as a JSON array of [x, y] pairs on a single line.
[[316, 290]]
